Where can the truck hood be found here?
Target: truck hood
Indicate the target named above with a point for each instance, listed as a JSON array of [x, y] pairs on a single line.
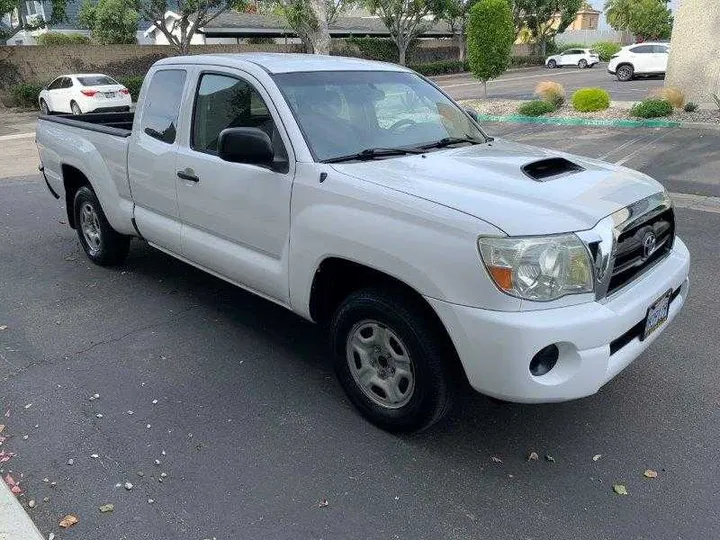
[[487, 181]]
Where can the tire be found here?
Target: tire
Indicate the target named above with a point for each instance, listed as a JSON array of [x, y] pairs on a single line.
[[44, 109], [401, 339], [75, 108], [624, 72], [552, 64], [102, 244], [582, 64]]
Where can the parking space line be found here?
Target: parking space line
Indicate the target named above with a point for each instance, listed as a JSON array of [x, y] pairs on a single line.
[[641, 148], [15, 136]]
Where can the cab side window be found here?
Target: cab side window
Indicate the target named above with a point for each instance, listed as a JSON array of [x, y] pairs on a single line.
[[162, 105], [223, 101]]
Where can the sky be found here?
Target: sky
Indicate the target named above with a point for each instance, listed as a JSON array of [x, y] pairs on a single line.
[[600, 4]]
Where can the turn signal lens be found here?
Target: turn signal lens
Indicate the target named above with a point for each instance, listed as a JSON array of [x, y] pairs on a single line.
[[501, 276]]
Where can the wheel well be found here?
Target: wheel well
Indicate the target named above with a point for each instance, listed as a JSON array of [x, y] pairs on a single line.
[[337, 278], [73, 179]]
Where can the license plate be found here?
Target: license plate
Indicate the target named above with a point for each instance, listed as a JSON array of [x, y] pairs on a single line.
[[657, 314], [109, 94]]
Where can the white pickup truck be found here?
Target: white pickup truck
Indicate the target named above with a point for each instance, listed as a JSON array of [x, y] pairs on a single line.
[[360, 196]]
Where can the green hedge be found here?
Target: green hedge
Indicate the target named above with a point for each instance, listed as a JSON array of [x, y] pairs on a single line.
[[527, 61], [56, 38], [590, 99], [132, 83], [652, 108], [440, 67], [26, 94], [381, 49], [536, 108], [566, 46], [606, 49]]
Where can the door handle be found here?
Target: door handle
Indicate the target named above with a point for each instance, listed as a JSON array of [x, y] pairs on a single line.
[[189, 176]]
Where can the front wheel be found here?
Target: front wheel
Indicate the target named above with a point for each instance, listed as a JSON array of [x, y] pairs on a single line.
[[75, 108], [102, 244], [392, 360], [44, 109]]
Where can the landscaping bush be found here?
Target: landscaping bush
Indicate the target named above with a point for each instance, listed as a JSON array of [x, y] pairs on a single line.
[[590, 99], [551, 92], [26, 94], [691, 107], [56, 38], [562, 47], [527, 61], [606, 49], [536, 108], [440, 67], [381, 49], [132, 83], [672, 95], [652, 108]]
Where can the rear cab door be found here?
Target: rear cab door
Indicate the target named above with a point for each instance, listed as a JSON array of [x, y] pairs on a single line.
[[151, 157], [235, 216]]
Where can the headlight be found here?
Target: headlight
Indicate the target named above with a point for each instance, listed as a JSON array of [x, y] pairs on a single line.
[[538, 268]]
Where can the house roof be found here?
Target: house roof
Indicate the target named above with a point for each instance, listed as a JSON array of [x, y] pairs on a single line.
[[235, 24]]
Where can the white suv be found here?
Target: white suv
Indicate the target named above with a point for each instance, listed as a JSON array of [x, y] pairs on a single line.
[[640, 59], [582, 58]]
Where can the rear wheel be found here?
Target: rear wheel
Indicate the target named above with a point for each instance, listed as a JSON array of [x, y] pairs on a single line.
[[625, 73], [391, 360], [102, 244], [75, 108], [44, 109], [582, 64]]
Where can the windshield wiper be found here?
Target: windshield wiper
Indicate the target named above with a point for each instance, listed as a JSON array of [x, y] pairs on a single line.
[[448, 141], [372, 153]]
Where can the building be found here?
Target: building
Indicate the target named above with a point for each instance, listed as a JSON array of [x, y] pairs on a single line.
[[586, 19]]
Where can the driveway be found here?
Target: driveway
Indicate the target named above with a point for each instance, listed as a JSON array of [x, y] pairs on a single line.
[[520, 84]]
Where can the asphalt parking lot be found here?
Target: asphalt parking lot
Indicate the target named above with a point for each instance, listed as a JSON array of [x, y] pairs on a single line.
[[235, 399], [520, 84]]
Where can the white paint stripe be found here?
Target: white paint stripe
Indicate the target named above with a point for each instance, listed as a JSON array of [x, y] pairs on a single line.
[[15, 524], [702, 203], [16, 136], [641, 148], [625, 145], [509, 79]]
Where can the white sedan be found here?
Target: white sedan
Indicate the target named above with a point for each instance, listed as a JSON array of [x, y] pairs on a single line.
[[582, 58], [84, 93]]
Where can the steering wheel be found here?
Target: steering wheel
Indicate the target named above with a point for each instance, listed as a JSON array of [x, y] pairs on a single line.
[[401, 123]]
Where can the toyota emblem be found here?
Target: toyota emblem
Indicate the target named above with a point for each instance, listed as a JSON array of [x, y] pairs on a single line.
[[649, 242]]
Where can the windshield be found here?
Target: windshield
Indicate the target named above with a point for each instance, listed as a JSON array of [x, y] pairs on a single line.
[[96, 80], [345, 112]]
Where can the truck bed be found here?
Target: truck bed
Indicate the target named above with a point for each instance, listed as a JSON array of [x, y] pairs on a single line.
[[118, 124]]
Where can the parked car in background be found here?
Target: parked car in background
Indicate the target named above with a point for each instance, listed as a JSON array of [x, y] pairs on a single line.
[[582, 58], [640, 59], [84, 93]]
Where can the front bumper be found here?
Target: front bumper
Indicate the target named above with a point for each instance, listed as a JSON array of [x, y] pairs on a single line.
[[495, 347]]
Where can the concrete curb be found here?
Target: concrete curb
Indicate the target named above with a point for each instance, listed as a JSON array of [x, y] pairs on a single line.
[[596, 122], [15, 524]]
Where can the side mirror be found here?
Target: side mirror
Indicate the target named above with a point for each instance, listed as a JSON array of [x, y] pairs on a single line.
[[472, 114], [245, 145]]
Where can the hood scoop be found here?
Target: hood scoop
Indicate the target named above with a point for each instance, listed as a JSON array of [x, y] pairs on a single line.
[[550, 168]]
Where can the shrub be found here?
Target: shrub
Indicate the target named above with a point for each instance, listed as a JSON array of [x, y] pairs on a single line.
[[440, 67], [652, 108], [672, 95], [132, 83], [26, 94], [527, 61], [606, 49], [490, 37], [590, 99], [56, 38], [536, 108], [551, 92], [381, 49], [691, 107], [562, 47]]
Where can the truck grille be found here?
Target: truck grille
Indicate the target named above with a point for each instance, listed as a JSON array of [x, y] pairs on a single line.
[[641, 245]]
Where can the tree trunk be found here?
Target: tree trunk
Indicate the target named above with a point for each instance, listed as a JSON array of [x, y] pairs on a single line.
[[485, 87], [402, 49], [321, 36], [461, 46]]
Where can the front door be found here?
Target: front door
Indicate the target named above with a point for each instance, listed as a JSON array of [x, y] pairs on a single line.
[[235, 216]]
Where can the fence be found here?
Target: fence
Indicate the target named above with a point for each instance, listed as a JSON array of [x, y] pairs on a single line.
[[589, 37]]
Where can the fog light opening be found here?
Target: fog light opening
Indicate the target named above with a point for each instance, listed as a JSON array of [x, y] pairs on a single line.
[[544, 360]]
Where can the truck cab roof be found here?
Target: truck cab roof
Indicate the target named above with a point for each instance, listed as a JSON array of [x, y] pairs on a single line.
[[284, 62]]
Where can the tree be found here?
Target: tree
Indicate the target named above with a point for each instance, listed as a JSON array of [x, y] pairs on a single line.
[[20, 19], [192, 15], [404, 19], [491, 34], [544, 19], [645, 19], [455, 14], [109, 21], [310, 20]]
